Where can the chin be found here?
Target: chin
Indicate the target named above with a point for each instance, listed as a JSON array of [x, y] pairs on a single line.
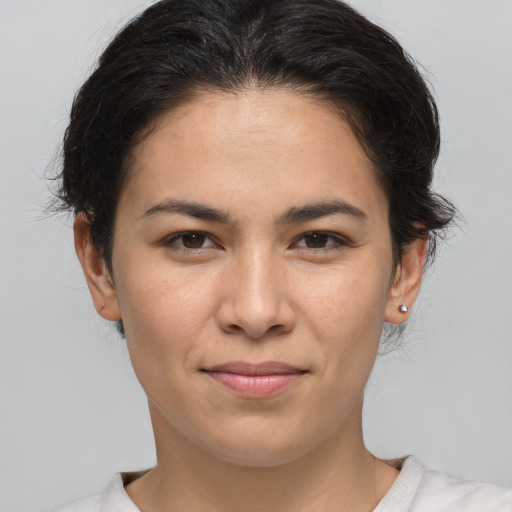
[[261, 450]]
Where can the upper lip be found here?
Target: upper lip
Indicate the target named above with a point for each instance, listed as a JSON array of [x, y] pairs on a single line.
[[265, 368]]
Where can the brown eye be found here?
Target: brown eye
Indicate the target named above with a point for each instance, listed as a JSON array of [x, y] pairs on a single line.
[[193, 240], [189, 240], [316, 240], [320, 240]]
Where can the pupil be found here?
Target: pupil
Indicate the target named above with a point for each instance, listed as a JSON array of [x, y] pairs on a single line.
[[316, 240], [193, 240]]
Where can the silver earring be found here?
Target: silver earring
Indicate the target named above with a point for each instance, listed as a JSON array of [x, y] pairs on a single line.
[[403, 308]]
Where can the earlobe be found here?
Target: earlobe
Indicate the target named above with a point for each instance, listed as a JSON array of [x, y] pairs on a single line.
[[407, 282], [99, 280]]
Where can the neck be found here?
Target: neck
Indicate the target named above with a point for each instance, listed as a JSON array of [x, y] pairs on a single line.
[[337, 475]]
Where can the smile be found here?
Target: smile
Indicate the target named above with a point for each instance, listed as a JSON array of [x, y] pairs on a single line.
[[255, 380]]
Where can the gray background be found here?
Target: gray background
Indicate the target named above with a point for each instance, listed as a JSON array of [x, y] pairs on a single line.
[[71, 411]]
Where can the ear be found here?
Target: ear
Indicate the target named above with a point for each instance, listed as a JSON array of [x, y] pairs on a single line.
[[407, 281], [99, 281]]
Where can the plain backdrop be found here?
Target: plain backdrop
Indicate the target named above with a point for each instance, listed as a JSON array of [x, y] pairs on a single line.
[[71, 410]]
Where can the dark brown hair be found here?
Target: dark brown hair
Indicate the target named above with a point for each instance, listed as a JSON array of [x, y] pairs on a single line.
[[322, 48]]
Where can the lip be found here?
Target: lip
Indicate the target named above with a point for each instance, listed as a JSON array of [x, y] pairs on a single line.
[[255, 380]]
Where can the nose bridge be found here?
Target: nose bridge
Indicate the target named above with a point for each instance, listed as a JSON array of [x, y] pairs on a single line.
[[256, 301], [259, 287]]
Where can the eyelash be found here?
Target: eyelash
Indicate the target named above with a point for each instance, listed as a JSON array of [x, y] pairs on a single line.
[[169, 241], [338, 244]]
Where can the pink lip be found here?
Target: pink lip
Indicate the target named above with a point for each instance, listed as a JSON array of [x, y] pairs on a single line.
[[255, 380]]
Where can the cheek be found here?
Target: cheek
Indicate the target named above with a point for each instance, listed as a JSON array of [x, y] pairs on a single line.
[[345, 315], [163, 311], [347, 303], [165, 319]]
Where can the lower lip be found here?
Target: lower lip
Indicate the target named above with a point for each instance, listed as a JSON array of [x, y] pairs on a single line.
[[255, 386]]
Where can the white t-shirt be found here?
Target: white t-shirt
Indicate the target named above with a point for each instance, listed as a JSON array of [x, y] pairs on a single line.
[[415, 490]]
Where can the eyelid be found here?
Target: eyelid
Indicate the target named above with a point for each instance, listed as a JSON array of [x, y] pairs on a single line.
[[170, 239], [340, 241]]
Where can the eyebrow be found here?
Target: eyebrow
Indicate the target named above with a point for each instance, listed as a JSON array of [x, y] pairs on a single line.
[[321, 209], [293, 215], [196, 210]]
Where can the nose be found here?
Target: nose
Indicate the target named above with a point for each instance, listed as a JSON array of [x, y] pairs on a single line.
[[255, 301]]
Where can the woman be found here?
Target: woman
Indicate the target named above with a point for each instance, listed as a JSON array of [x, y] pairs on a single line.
[[251, 184]]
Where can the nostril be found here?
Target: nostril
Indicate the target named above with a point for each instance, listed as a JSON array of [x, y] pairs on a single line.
[[277, 329], [273, 330], [235, 328], [242, 314]]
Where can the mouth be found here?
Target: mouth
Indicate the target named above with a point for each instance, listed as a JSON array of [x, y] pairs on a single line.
[[258, 380]]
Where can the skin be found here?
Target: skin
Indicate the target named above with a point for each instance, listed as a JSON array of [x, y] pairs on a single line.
[[258, 287]]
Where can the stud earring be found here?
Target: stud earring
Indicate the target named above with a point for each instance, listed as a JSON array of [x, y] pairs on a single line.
[[403, 308]]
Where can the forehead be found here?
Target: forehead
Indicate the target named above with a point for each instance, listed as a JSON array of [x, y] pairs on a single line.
[[234, 148]]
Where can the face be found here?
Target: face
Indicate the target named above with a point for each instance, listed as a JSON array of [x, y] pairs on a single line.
[[253, 270]]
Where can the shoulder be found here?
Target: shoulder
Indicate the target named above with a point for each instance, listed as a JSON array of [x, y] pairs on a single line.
[[420, 490], [439, 492], [112, 499]]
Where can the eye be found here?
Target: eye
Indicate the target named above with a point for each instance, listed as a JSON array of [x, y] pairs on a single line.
[[189, 240], [320, 240]]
